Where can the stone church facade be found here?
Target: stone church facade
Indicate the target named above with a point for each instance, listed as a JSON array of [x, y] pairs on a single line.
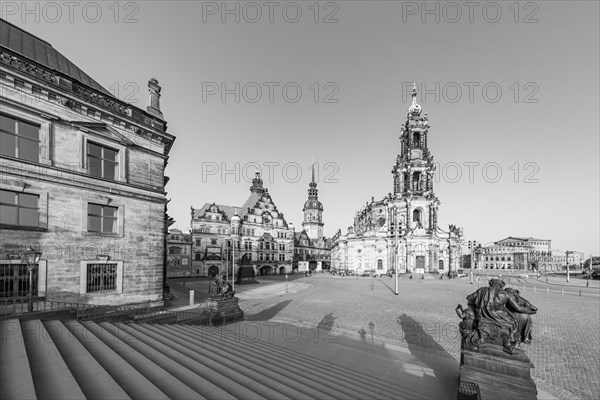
[[82, 181], [401, 230]]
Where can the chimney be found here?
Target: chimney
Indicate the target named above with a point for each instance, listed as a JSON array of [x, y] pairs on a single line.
[[154, 107]]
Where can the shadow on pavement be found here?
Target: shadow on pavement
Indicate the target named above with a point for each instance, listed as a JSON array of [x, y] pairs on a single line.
[[269, 313], [327, 322], [424, 347]]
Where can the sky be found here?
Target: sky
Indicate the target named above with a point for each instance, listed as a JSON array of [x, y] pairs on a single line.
[[511, 90]]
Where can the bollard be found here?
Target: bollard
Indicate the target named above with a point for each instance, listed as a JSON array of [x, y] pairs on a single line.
[[547, 290], [579, 293], [563, 291], [534, 289], [191, 297], [523, 288]]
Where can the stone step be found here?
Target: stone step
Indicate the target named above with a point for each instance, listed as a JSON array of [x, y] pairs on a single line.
[[152, 365], [136, 385], [15, 380], [267, 373], [51, 376], [310, 372], [91, 377], [207, 373], [337, 378], [71, 359]]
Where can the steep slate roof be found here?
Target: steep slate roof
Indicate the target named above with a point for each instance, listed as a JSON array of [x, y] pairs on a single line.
[[24, 43], [230, 210], [104, 360]]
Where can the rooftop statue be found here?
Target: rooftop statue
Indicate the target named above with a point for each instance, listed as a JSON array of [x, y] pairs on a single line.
[[495, 315]]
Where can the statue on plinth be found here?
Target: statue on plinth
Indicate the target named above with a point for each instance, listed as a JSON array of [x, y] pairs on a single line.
[[223, 288], [496, 315]]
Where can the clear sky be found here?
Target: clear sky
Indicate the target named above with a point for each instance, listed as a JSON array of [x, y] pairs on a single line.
[[511, 90]]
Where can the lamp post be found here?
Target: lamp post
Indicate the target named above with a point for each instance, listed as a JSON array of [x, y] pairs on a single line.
[[567, 252], [31, 257]]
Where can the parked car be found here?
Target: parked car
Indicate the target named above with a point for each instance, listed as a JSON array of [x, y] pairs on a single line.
[[391, 273], [368, 272]]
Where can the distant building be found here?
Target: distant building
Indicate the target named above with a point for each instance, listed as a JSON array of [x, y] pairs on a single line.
[[255, 234], [526, 253], [179, 253], [401, 230], [312, 251], [82, 180]]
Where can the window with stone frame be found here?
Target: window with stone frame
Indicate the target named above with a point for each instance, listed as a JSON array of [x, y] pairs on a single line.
[[102, 161], [19, 139], [101, 277], [281, 257], [19, 209], [102, 219]]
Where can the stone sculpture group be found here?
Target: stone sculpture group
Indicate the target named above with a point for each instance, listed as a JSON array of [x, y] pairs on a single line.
[[496, 315]]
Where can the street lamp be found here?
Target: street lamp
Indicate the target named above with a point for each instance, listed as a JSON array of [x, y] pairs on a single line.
[[567, 252], [31, 257], [472, 246]]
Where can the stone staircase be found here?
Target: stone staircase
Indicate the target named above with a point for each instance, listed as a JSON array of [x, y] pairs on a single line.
[[113, 360]]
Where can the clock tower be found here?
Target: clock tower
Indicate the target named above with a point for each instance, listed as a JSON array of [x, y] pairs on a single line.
[[313, 211]]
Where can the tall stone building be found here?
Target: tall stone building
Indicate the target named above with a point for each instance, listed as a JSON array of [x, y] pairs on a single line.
[[255, 234], [82, 181], [311, 248], [401, 230]]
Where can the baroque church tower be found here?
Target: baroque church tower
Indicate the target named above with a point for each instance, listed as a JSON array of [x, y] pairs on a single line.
[[414, 168], [313, 211]]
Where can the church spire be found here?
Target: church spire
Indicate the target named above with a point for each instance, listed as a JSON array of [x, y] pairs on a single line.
[[312, 190]]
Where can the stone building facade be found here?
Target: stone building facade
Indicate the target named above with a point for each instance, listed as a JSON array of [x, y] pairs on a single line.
[[255, 234], [82, 181], [179, 254], [401, 230], [526, 253]]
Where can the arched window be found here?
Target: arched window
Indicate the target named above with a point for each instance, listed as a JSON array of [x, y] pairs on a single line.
[[417, 216], [379, 264], [441, 264], [417, 139], [416, 180]]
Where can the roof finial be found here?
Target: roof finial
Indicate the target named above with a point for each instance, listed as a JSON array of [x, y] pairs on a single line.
[[312, 167], [414, 108]]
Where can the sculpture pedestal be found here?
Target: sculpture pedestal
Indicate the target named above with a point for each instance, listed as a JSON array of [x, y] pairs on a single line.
[[222, 311], [245, 275], [491, 373]]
